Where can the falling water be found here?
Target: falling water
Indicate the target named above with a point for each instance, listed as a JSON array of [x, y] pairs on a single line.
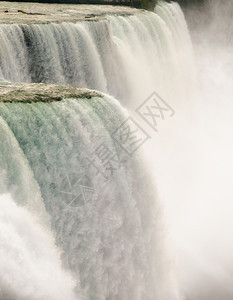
[[107, 220], [110, 233], [126, 56]]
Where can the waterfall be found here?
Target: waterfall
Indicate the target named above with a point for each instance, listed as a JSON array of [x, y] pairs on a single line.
[[103, 215], [63, 162], [125, 56]]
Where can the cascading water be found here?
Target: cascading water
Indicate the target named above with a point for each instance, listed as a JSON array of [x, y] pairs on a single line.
[[128, 57], [106, 218]]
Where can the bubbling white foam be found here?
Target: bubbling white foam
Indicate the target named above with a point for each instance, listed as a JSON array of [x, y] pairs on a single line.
[[30, 267]]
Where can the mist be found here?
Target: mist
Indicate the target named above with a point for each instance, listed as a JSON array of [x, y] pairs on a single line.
[[204, 219]]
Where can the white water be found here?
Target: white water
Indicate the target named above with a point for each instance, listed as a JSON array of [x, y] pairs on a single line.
[[114, 244], [128, 57], [114, 241], [30, 266]]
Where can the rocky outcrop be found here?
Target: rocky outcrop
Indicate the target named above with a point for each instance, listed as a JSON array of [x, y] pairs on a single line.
[[40, 92]]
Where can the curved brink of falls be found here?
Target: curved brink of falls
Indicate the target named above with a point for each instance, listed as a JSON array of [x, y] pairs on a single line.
[[106, 223], [126, 56]]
